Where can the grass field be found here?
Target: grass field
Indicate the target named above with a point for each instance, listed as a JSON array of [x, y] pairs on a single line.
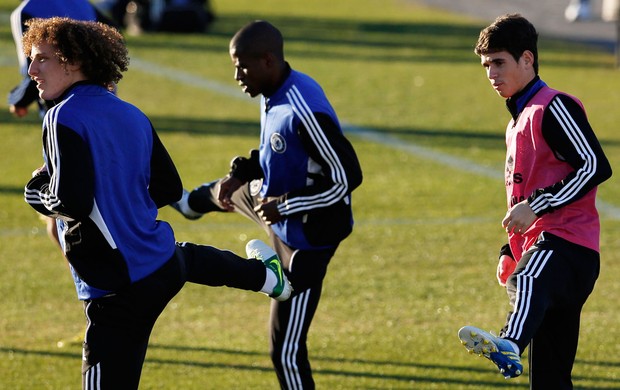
[[421, 261]]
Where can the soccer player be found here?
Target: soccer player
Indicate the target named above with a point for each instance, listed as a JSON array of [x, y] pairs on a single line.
[[297, 186], [105, 174], [554, 164], [24, 94]]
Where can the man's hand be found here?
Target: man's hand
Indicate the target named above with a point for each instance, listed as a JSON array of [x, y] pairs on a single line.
[[505, 268], [19, 112], [39, 171], [519, 218], [228, 186], [268, 211]]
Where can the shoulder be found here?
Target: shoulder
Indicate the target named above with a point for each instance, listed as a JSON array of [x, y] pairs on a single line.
[[304, 91], [553, 95], [304, 82], [563, 104]]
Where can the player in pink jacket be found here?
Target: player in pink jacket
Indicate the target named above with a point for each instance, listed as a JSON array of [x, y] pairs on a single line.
[[554, 164]]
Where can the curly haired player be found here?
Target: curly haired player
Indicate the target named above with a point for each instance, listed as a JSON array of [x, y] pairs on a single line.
[[104, 177]]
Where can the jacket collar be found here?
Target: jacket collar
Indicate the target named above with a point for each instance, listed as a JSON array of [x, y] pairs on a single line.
[[517, 102], [71, 88]]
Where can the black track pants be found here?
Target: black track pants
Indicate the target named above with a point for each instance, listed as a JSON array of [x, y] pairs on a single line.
[[290, 320], [548, 289], [119, 325]]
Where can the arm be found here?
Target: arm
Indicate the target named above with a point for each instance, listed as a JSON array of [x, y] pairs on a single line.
[[242, 170], [26, 92], [506, 265], [246, 169], [22, 96], [165, 186], [569, 134], [65, 189], [338, 170]]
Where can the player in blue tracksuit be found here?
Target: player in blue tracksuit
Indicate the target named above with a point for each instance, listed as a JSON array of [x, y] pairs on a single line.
[[25, 93], [297, 185], [105, 175]]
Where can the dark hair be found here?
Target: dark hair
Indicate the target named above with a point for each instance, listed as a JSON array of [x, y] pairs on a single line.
[[257, 38], [512, 33], [98, 48]]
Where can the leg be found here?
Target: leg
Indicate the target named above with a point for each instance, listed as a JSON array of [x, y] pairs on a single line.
[[203, 199], [114, 346], [291, 320], [52, 230], [529, 291], [549, 288], [578, 10], [290, 323], [551, 281], [119, 327], [210, 266], [553, 274], [553, 350], [261, 271], [554, 346]]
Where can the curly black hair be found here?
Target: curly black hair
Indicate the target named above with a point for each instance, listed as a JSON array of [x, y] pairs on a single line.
[[97, 48]]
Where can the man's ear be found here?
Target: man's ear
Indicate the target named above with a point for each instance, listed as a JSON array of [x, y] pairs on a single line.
[[528, 58], [269, 59], [73, 67]]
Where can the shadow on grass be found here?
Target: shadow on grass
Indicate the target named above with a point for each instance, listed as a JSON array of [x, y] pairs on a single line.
[[28, 121], [369, 40], [205, 126], [11, 190], [453, 369], [445, 137], [440, 138], [6, 35]]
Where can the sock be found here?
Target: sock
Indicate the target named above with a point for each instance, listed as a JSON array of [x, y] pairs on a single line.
[[186, 209], [186, 203], [270, 282]]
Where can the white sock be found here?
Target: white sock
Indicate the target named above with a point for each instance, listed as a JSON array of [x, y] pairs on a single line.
[[270, 282]]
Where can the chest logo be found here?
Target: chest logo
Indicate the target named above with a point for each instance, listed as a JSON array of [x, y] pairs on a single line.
[[255, 186], [278, 143]]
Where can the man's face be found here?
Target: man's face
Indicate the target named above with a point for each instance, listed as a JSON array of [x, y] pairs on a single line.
[[506, 75], [251, 72], [51, 75]]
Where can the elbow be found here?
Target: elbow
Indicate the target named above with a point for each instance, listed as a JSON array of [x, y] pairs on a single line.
[[78, 212], [356, 182], [605, 172]]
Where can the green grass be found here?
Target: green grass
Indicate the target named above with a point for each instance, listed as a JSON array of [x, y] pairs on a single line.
[[421, 261]]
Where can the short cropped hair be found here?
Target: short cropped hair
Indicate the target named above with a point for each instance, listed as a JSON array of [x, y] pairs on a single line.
[[257, 38], [99, 49], [512, 33]]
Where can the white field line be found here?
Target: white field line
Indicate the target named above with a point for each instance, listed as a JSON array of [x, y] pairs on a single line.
[[607, 210], [189, 79], [423, 152]]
